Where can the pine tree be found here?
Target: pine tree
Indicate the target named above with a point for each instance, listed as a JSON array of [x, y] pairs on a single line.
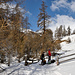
[[68, 30], [64, 31], [69, 40], [60, 31], [43, 17], [56, 33], [25, 23], [74, 31]]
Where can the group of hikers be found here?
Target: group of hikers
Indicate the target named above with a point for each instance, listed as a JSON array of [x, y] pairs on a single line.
[[43, 59]]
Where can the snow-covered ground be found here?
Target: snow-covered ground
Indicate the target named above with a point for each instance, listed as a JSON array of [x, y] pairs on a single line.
[[65, 68], [70, 46]]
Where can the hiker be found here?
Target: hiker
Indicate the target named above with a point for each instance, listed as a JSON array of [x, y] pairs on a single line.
[[42, 58], [49, 55]]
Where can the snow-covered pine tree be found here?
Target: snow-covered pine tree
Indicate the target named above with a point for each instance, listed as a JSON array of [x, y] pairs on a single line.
[[64, 31], [68, 30]]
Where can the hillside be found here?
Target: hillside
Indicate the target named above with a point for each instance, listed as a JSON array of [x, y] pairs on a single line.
[[68, 46], [65, 68]]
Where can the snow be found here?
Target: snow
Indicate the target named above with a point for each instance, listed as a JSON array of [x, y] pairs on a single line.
[[70, 46], [65, 68], [25, 30]]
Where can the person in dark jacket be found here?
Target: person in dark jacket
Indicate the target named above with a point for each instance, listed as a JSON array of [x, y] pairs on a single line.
[[49, 55], [42, 58]]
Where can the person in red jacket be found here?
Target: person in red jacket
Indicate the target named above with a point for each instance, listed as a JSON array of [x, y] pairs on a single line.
[[49, 55]]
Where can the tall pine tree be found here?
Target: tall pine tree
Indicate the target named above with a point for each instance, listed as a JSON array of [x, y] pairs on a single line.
[[69, 30], [64, 31], [43, 17]]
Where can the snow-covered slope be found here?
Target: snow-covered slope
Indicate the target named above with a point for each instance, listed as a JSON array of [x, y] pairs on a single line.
[[68, 46], [67, 67]]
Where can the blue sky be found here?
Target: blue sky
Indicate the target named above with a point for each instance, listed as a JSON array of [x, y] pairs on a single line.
[[33, 7], [61, 12]]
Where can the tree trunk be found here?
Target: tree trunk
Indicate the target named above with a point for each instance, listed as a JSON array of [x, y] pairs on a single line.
[[9, 60], [26, 63], [44, 22]]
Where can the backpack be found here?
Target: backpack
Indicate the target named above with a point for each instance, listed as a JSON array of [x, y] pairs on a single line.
[[41, 57]]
